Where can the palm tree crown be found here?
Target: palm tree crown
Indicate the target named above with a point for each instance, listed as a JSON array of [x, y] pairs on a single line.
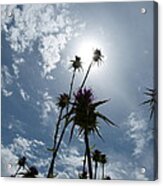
[[97, 55], [63, 100], [76, 64]]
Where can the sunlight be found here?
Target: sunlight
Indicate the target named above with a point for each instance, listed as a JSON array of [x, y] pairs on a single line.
[[85, 51]]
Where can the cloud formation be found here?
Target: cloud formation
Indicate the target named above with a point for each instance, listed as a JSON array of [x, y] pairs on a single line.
[[51, 26], [139, 133]]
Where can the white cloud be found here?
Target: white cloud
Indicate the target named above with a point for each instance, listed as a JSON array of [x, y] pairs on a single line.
[[8, 162], [24, 95], [139, 132], [36, 153], [6, 92], [120, 167], [48, 105], [16, 65], [50, 25], [6, 80], [34, 150], [71, 160]]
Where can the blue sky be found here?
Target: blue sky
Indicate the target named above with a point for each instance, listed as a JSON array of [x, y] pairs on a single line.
[[38, 41]]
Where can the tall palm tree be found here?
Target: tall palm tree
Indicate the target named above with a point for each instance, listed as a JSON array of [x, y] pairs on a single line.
[[97, 58], [76, 65], [62, 103], [84, 116], [103, 161], [96, 158]]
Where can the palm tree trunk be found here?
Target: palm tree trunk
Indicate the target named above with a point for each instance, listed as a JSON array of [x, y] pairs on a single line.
[[84, 161], [88, 155], [103, 171], [57, 128], [96, 166], [72, 82], [86, 76], [51, 168], [50, 172], [17, 171]]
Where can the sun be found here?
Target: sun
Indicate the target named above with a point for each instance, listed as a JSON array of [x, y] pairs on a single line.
[[85, 51]]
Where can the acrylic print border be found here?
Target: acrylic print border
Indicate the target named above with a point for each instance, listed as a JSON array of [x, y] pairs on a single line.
[[75, 60]]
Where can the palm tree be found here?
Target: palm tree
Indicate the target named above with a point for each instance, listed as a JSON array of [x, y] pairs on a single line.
[[63, 101], [21, 164], [76, 65], [84, 116], [97, 58], [96, 158], [31, 173], [103, 161], [151, 101]]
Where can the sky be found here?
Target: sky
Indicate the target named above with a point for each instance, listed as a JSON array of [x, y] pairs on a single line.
[[37, 43]]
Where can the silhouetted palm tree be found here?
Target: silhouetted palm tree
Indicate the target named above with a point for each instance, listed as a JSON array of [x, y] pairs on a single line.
[[103, 161], [21, 164], [97, 58], [63, 101], [96, 158], [31, 173], [76, 65], [151, 101], [84, 115]]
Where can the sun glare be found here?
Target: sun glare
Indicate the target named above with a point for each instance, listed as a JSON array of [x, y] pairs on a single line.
[[85, 51]]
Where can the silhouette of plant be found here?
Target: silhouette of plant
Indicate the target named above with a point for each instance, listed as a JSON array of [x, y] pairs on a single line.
[[151, 101], [103, 161], [96, 158], [80, 113], [83, 175], [62, 103], [31, 172], [107, 178], [84, 116], [21, 165], [97, 58]]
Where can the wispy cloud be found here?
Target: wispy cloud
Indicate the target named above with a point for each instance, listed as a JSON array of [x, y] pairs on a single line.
[[8, 162], [34, 150], [139, 132], [67, 166], [51, 26], [6, 80], [122, 168], [48, 106], [16, 66]]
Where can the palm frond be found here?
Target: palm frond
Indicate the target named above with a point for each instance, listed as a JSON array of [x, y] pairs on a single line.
[[107, 120], [99, 134], [146, 102], [51, 149], [152, 112], [149, 93], [71, 133], [96, 104]]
